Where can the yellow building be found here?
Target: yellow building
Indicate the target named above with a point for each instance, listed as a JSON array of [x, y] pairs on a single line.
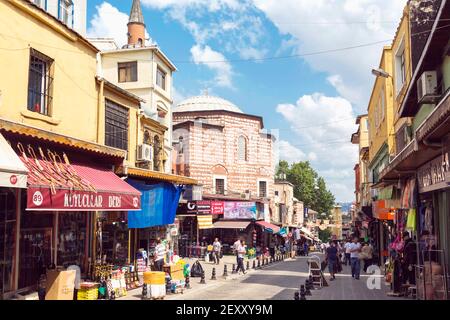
[[361, 138], [336, 222], [51, 98], [380, 114]]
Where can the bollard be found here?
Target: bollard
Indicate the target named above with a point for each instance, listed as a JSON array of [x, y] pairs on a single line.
[[263, 263], [307, 291], [296, 295], [254, 264], [259, 264], [233, 270], [271, 260], [311, 282], [144, 291], [213, 276], [225, 271], [113, 295], [202, 279], [302, 293], [168, 286], [187, 283], [248, 265]]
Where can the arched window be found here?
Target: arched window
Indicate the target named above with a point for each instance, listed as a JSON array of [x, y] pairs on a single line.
[[242, 149]]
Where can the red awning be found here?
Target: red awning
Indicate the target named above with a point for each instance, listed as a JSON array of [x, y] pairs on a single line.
[[63, 186], [268, 226]]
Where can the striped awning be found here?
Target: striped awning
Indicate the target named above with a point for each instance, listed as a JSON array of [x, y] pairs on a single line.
[[231, 224], [268, 227], [204, 222]]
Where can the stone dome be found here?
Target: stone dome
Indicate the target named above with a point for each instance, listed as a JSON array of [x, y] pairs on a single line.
[[206, 103]]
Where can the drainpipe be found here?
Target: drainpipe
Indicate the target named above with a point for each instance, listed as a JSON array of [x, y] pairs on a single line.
[[100, 92]]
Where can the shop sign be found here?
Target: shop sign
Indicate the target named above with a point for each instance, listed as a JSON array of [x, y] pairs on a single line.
[[12, 180], [217, 207], [434, 174], [239, 210], [199, 207], [42, 199]]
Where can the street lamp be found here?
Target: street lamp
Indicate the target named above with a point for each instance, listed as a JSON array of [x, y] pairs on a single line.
[[380, 73]]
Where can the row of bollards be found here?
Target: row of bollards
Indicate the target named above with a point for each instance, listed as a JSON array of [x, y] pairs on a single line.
[[305, 290]]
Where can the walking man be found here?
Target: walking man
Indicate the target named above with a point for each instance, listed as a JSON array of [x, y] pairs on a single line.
[[347, 252], [355, 249], [242, 250], [331, 258], [236, 246], [217, 247]]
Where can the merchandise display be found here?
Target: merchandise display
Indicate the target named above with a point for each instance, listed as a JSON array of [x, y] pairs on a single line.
[[88, 291]]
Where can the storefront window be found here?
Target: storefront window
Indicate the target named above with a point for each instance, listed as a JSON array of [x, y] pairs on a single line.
[[115, 235], [7, 239], [72, 240]]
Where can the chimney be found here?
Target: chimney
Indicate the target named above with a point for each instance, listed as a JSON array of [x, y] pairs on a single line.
[[136, 26]]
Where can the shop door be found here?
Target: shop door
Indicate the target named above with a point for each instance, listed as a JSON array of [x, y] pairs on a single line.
[[35, 255], [7, 240]]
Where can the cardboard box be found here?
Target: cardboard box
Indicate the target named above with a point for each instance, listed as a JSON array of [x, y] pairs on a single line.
[[60, 285]]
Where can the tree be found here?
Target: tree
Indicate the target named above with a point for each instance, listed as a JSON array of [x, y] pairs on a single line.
[[325, 235], [324, 200], [304, 177]]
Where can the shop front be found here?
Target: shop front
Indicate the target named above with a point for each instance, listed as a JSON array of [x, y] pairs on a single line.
[[433, 227], [13, 181], [56, 215]]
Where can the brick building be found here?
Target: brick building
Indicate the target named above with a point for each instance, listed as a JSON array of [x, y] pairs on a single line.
[[227, 151]]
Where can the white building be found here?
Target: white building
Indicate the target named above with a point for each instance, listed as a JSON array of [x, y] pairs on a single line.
[[143, 70], [71, 12]]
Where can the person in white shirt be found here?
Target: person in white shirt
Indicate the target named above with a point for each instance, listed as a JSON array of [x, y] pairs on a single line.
[[160, 253], [242, 250], [217, 247], [355, 249], [347, 253]]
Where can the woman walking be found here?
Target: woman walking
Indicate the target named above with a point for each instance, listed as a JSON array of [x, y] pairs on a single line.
[[331, 258]]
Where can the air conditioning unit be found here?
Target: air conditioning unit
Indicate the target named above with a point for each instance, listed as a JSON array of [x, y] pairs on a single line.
[[245, 196], [145, 153], [427, 87]]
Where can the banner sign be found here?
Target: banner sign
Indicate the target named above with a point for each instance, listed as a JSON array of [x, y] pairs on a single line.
[[239, 210], [217, 207], [41, 199], [434, 175]]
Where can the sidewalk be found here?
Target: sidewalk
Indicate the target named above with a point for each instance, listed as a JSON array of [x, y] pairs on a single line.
[[207, 267]]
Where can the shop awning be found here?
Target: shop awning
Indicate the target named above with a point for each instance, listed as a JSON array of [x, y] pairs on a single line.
[[307, 232], [231, 224], [268, 227], [13, 173], [59, 185]]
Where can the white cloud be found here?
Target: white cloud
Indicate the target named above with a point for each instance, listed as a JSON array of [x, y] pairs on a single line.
[[110, 22], [321, 25], [223, 70], [323, 126]]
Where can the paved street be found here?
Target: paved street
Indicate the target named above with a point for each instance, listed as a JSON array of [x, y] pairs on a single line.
[[278, 281]]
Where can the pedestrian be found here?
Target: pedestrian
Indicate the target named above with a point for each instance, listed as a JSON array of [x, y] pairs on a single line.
[[160, 253], [355, 249], [242, 250], [217, 247], [409, 259], [322, 247], [366, 254], [331, 258], [272, 249], [347, 252], [236, 246], [306, 248]]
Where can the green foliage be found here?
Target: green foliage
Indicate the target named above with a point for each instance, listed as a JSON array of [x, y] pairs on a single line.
[[304, 178], [325, 235]]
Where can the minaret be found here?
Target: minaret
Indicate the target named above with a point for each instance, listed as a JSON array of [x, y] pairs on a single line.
[[136, 26]]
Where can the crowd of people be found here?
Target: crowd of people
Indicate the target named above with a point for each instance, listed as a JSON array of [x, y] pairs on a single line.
[[350, 252]]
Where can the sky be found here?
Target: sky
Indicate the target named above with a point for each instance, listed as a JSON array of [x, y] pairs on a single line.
[[304, 66]]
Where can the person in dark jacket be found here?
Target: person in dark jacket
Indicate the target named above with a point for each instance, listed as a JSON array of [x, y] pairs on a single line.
[[409, 259], [331, 257]]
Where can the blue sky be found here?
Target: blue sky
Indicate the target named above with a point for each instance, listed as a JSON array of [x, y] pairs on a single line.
[[311, 100]]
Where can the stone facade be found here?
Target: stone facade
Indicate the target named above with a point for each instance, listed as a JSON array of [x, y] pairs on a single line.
[[207, 148]]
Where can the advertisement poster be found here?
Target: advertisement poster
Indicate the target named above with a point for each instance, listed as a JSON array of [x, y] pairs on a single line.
[[239, 210]]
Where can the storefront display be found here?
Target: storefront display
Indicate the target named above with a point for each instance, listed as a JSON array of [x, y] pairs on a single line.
[[72, 240]]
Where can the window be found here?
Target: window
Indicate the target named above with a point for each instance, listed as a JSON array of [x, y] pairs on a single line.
[[39, 83], [220, 186], [127, 71], [116, 125], [242, 149], [276, 193], [262, 189], [66, 11], [400, 67], [161, 79]]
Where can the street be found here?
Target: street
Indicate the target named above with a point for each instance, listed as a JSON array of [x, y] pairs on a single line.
[[277, 281]]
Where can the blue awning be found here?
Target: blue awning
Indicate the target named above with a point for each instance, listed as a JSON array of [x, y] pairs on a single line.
[[159, 204]]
